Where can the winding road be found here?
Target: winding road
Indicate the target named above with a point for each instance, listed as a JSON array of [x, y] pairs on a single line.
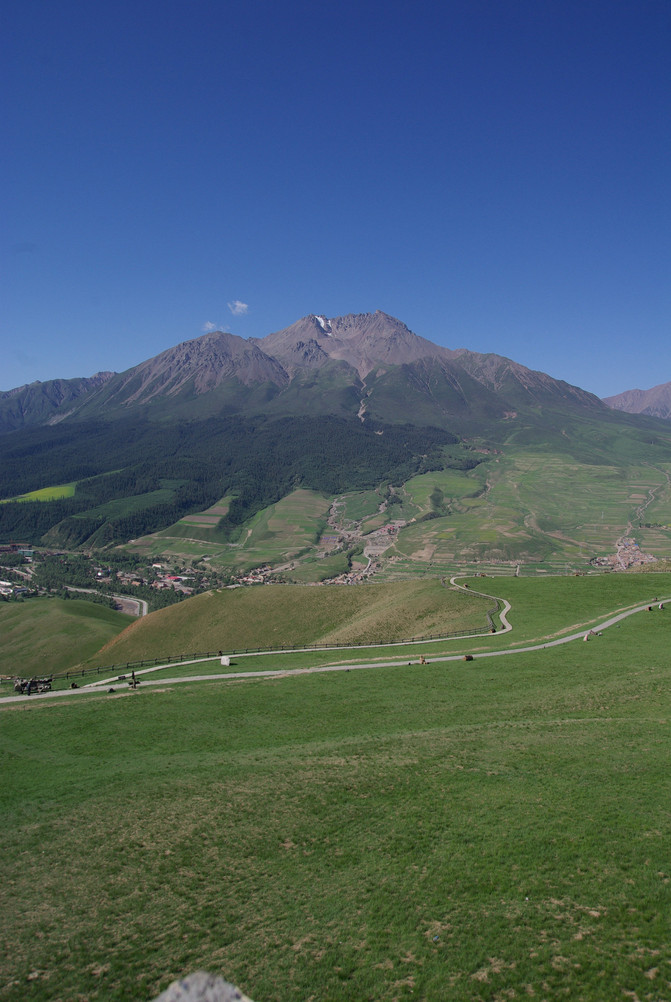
[[597, 627]]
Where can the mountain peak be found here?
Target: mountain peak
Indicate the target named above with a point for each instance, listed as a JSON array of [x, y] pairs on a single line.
[[362, 340], [323, 322], [655, 402], [360, 363]]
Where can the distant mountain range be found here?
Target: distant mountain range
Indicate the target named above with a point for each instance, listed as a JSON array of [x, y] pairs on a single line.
[[655, 402], [367, 365]]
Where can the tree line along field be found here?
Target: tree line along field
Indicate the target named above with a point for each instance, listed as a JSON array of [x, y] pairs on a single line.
[[464, 831]]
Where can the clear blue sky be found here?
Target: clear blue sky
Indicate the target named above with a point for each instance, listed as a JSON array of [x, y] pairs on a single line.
[[496, 174]]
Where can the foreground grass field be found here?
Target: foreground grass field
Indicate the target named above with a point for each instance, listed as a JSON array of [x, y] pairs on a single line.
[[486, 830]]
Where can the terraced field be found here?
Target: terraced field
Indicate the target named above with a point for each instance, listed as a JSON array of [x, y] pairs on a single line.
[[539, 508]]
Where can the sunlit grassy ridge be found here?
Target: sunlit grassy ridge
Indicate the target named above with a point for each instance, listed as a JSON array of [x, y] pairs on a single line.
[[472, 831], [294, 615]]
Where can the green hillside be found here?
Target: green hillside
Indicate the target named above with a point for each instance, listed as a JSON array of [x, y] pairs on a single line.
[[45, 636], [140, 476], [538, 508], [481, 509]]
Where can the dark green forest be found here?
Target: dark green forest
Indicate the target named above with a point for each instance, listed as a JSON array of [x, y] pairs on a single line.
[[134, 477]]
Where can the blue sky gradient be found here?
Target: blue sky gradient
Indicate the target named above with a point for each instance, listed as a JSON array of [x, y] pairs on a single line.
[[495, 174]]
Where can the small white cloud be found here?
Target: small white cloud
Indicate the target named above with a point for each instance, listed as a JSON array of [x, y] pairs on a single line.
[[237, 308], [208, 326]]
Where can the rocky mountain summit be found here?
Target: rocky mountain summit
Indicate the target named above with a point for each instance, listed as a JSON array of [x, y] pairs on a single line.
[[46, 402], [362, 340], [655, 402]]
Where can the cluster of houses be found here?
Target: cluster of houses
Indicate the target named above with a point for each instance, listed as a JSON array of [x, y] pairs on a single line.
[[259, 575], [10, 588], [22, 548], [355, 576], [629, 554], [160, 579]]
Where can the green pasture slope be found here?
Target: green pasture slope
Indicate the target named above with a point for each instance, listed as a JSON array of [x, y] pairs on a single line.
[[295, 615], [44, 636], [282, 531], [481, 830], [536, 508], [530, 503]]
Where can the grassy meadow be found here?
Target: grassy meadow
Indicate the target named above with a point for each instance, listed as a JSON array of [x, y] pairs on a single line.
[[481, 830]]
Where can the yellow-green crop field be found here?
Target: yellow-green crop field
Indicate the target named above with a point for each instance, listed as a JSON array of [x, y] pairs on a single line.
[[54, 493]]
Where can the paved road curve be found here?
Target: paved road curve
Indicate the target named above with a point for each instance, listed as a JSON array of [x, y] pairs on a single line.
[[598, 627]]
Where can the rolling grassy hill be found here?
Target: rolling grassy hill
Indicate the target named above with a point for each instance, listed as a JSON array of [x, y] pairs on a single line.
[[293, 615], [45, 636]]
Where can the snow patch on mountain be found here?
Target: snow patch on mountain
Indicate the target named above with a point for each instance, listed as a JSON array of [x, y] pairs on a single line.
[[324, 323]]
